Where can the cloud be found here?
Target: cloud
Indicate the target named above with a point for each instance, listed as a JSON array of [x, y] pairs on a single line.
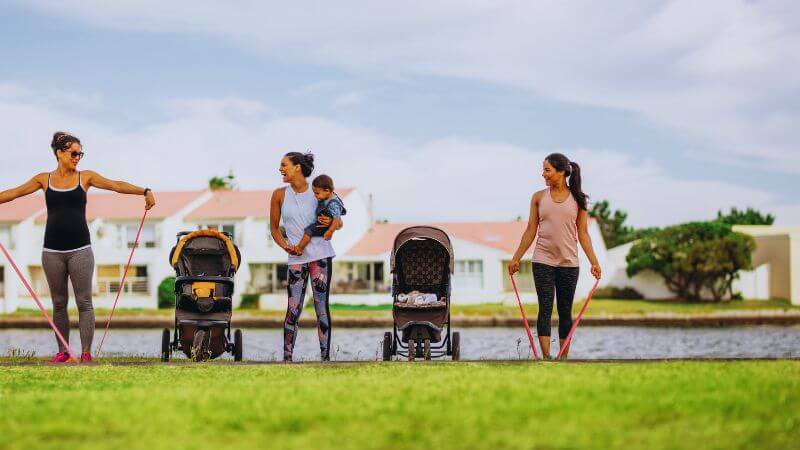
[[449, 178], [718, 71]]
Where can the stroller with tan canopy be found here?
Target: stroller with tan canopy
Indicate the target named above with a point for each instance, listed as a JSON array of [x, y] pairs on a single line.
[[205, 263], [422, 264]]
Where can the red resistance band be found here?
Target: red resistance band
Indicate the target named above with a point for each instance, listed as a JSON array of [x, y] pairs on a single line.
[[577, 320], [525, 320], [121, 283], [38, 303]]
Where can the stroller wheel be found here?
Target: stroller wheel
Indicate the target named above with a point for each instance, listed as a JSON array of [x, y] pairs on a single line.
[[166, 348], [199, 346], [426, 349], [387, 346], [237, 345], [456, 337], [412, 350]]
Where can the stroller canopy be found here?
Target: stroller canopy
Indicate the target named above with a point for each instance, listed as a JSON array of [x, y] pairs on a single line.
[[422, 233], [205, 252]]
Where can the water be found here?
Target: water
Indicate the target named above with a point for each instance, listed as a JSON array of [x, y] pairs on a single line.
[[476, 343]]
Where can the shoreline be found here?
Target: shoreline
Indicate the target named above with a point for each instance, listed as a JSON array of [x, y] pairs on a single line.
[[256, 322]]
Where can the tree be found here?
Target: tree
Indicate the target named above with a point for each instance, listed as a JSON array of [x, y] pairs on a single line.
[[166, 293], [612, 225], [225, 183], [749, 216], [697, 260]]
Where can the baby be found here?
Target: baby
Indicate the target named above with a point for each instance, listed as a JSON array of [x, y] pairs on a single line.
[[330, 205]]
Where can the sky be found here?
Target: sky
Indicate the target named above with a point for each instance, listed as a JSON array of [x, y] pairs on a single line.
[[443, 111]]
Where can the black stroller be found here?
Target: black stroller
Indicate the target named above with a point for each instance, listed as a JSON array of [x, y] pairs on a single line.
[[205, 262], [422, 261]]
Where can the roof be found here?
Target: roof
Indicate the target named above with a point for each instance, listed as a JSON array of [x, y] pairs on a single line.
[[21, 208], [767, 230], [502, 236], [239, 204], [112, 206]]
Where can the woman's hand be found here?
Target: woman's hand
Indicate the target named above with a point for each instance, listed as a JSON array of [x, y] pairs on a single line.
[[149, 200], [513, 267], [596, 271]]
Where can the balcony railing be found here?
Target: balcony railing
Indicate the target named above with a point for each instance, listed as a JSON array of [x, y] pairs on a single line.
[[133, 285]]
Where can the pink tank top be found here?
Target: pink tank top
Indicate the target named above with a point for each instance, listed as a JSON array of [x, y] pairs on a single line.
[[557, 238]]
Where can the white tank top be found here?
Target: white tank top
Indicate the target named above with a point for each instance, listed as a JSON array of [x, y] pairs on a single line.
[[299, 211]]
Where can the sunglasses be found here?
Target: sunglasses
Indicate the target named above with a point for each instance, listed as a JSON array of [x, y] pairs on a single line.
[[75, 154]]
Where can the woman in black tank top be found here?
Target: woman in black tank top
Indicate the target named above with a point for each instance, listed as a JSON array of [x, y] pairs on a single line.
[[67, 242]]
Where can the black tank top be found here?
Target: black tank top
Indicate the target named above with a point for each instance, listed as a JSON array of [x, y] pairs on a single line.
[[66, 218]]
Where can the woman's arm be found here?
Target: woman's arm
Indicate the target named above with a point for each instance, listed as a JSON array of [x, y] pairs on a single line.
[[29, 187], [528, 236], [586, 242], [94, 179], [275, 220]]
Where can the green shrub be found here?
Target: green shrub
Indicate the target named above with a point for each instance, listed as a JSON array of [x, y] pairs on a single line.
[[250, 301], [697, 260], [166, 293], [618, 293]]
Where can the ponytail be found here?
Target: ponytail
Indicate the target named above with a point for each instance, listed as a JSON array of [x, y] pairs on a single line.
[[572, 171], [575, 185]]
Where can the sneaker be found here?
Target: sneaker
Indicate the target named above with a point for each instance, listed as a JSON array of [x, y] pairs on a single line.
[[86, 357], [61, 357]]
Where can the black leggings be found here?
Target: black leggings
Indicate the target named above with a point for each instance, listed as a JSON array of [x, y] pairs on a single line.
[[559, 282]]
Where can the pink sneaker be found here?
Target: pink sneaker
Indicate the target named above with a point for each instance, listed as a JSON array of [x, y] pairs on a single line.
[[61, 357], [86, 357]]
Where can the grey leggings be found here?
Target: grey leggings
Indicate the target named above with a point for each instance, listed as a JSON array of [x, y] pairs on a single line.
[[78, 266]]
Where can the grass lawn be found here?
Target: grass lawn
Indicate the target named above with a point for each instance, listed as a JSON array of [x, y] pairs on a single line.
[[724, 405], [598, 307]]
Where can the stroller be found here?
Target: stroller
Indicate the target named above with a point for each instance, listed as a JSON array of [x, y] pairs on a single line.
[[422, 260], [205, 262]]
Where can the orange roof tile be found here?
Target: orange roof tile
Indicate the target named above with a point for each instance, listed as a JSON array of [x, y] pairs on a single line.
[[21, 208], [239, 204], [111, 206]]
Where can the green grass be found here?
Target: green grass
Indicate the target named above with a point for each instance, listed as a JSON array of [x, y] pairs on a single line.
[[598, 307], [724, 405]]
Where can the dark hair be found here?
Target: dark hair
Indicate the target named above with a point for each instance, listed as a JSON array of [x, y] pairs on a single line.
[[572, 171], [323, 182], [305, 160], [62, 141]]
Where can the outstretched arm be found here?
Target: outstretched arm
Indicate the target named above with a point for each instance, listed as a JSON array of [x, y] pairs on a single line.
[[94, 179], [528, 236], [29, 187], [586, 242]]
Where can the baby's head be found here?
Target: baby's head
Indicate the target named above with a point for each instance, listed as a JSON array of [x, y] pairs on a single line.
[[323, 187]]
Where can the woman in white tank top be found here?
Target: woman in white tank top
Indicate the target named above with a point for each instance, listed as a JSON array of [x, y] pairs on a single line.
[[558, 221], [296, 206]]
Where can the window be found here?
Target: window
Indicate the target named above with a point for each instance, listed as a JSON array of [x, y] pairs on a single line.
[[2, 281], [109, 276], [267, 278], [38, 282], [524, 277], [147, 238], [5, 236], [358, 277], [468, 275], [223, 227]]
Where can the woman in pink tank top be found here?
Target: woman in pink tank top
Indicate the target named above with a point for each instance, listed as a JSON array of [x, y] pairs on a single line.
[[558, 222]]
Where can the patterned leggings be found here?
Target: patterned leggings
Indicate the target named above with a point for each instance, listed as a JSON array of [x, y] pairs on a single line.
[[320, 272], [558, 281]]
